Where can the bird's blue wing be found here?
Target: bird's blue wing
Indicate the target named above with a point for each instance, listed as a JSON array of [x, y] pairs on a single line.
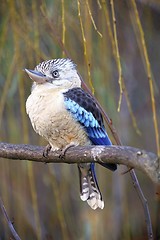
[[84, 110], [96, 133]]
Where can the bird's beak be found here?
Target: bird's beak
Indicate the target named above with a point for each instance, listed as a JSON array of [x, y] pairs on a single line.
[[37, 76]]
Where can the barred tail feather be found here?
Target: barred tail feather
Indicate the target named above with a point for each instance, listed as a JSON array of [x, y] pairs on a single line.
[[89, 190]]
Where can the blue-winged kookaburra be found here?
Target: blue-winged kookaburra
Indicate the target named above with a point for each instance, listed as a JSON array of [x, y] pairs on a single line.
[[64, 114]]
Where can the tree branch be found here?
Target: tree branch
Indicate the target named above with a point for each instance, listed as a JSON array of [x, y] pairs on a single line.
[[147, 162], [10, 224]]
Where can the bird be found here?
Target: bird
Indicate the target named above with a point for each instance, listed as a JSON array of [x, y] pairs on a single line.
[[65, 115]]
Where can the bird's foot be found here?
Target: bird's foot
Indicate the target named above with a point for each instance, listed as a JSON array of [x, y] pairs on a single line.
[[65, 149], [47, 150]]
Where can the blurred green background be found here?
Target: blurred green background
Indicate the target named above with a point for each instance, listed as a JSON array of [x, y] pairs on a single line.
[[43, 199]]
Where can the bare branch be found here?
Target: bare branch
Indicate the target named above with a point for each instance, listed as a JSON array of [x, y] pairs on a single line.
[[11, 227], [147, 162]]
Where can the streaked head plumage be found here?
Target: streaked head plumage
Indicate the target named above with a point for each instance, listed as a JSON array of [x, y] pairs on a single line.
[[58, 72], [60, 64]]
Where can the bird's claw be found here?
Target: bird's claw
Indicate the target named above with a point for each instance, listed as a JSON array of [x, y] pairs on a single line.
[[65, 149], [47, 150]]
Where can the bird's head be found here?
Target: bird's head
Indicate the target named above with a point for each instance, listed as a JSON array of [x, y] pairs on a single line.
[[55, 73]]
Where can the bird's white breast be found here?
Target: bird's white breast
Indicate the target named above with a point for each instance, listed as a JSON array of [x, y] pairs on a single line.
[[52, 121]]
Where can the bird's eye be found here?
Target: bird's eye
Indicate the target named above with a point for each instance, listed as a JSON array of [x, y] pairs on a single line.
[[55, 74]]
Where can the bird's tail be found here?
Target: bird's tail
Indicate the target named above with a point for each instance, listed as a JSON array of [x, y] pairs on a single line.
[[89, 189]]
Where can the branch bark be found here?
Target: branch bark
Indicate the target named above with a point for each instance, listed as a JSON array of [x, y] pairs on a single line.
[[147, 162]]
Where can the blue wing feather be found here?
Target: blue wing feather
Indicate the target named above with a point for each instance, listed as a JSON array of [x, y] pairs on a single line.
[[95, 129], [96, 133]]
